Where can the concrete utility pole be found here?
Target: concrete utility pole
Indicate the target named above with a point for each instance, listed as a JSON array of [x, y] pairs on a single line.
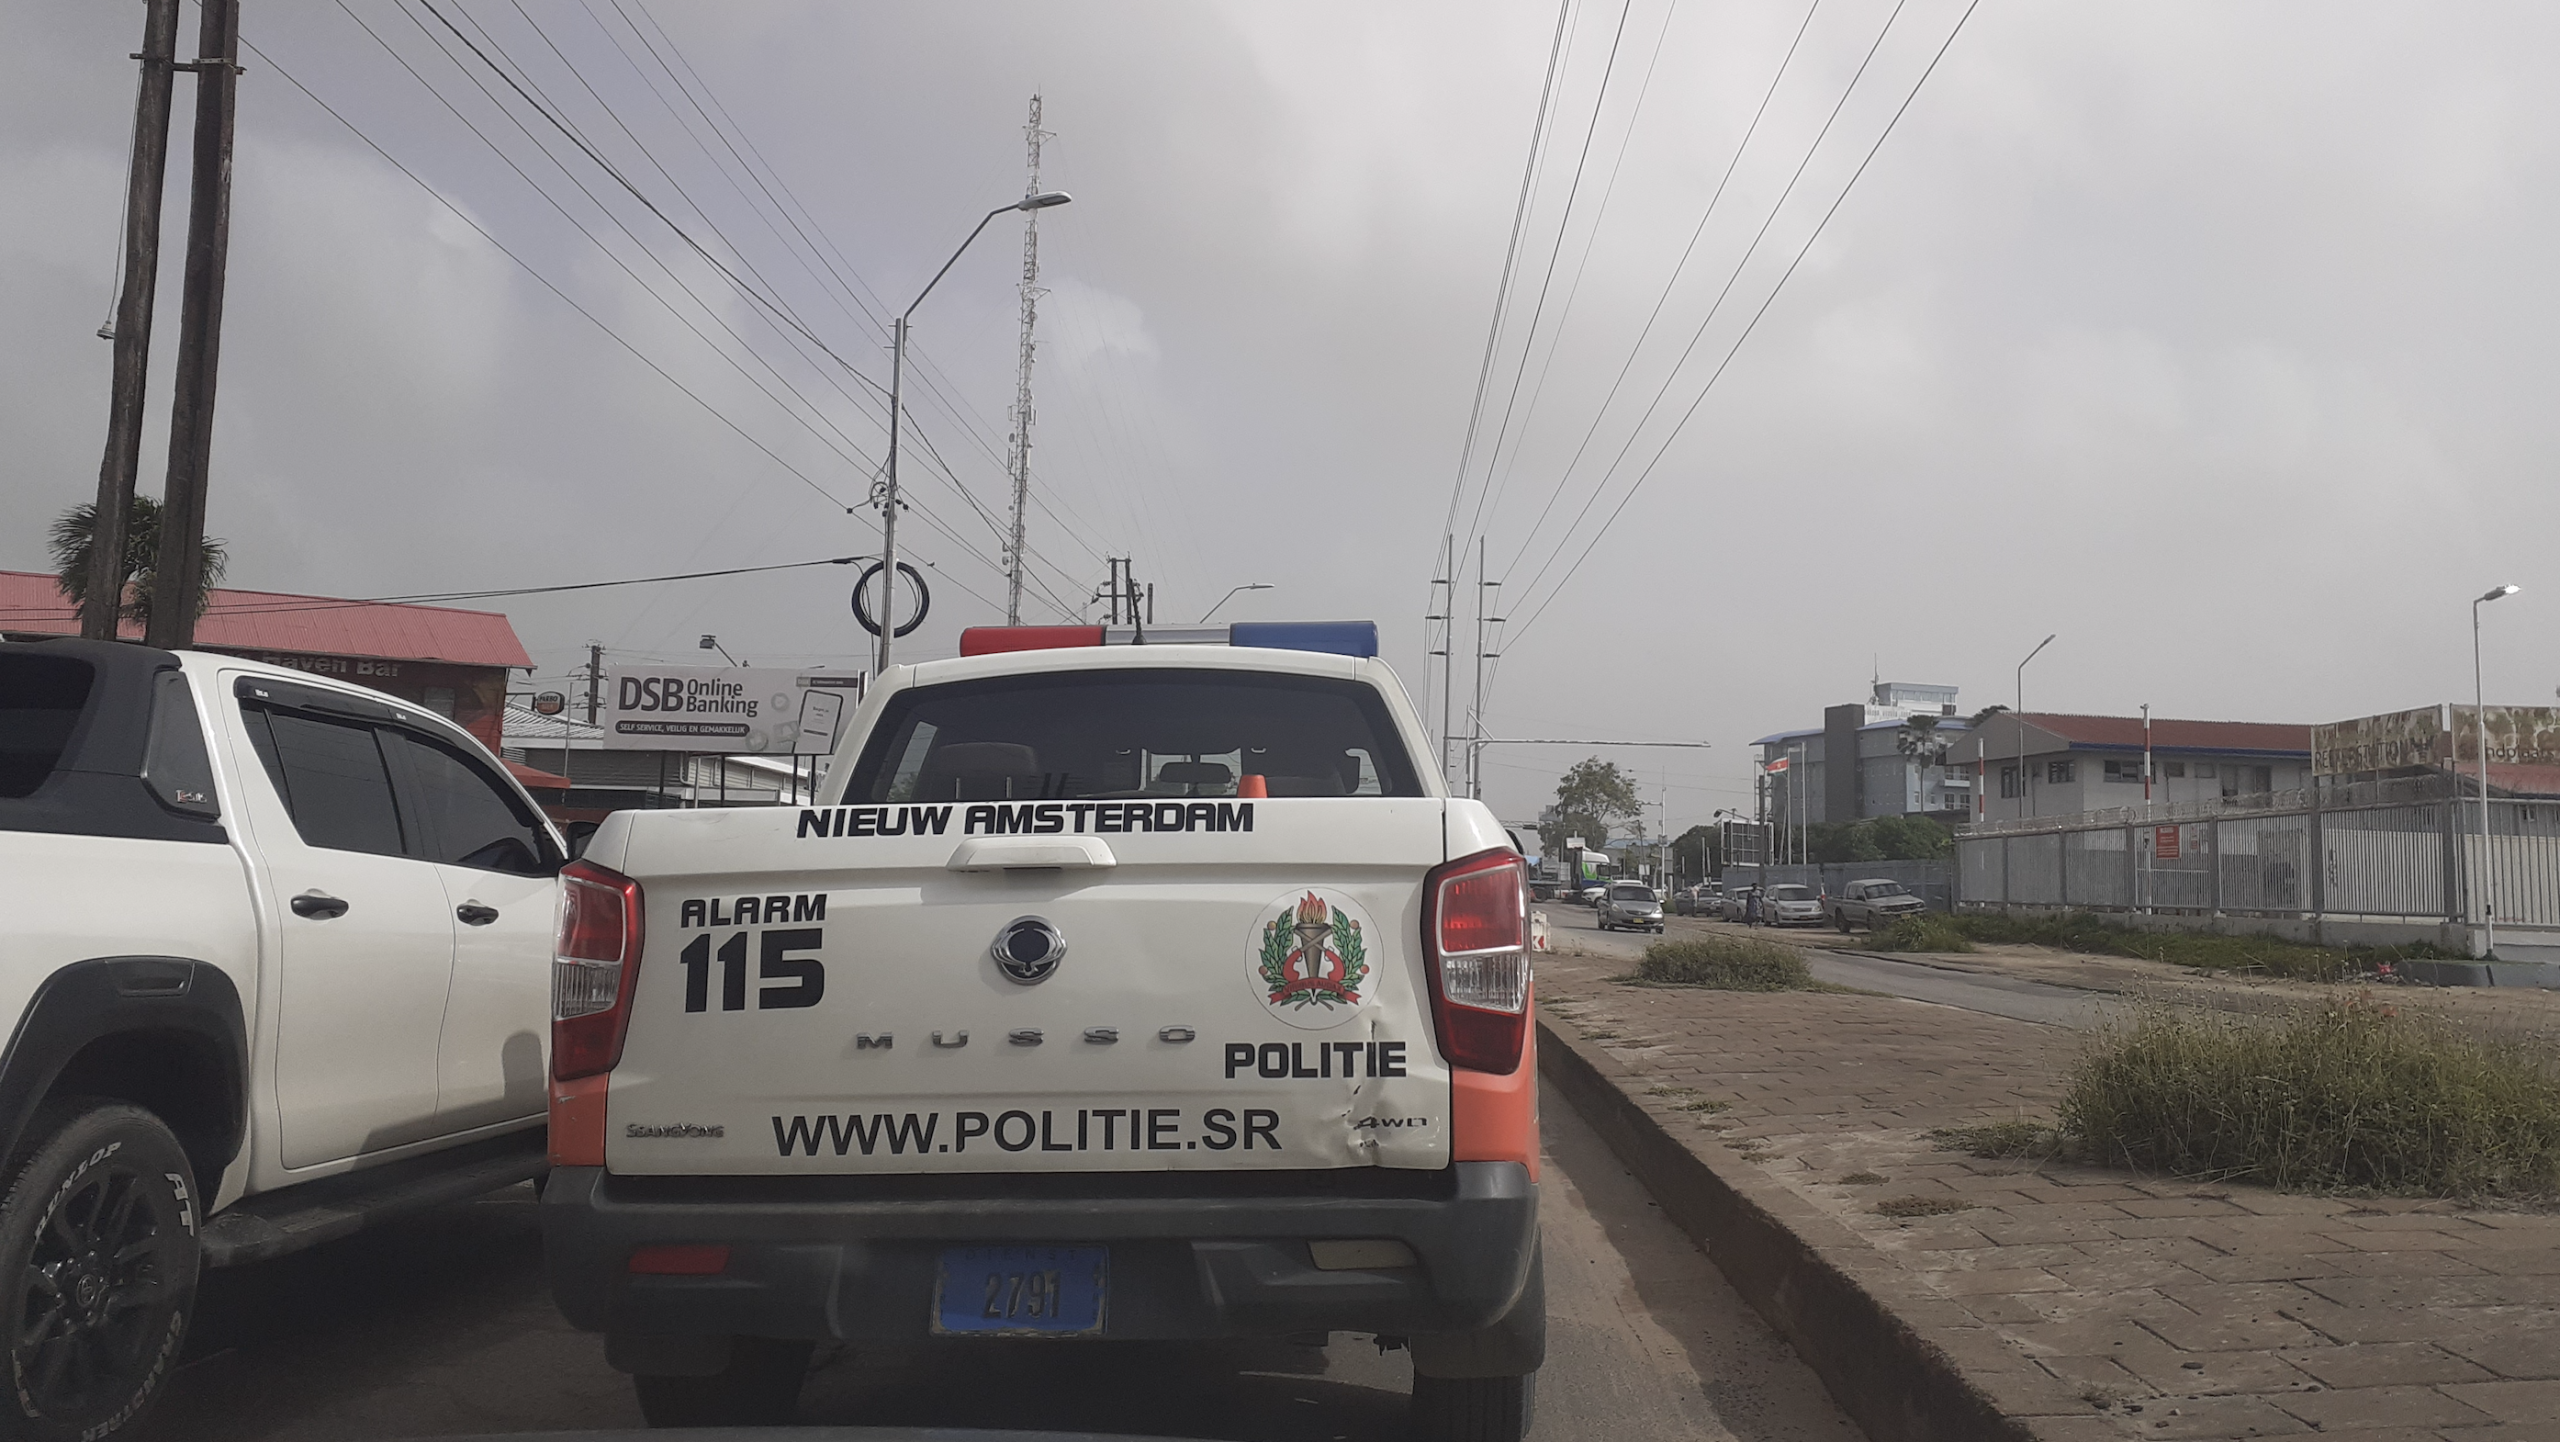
[[178, 587], [1445, 590], [1475, 714], [595, 681], [1015, 559], [135, 292]]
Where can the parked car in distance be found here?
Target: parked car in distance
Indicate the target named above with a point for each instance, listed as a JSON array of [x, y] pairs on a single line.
[[1791, 905], [1630, 905], [1704, 899], [1874, 903]]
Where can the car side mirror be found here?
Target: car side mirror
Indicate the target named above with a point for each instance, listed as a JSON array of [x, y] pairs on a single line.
[[578, 834]]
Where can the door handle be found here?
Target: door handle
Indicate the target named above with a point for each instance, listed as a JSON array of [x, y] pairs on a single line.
[[318, 905], [472, 913]]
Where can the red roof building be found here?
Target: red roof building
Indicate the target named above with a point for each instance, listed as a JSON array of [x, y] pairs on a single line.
[[2048, 764], [448, 661]]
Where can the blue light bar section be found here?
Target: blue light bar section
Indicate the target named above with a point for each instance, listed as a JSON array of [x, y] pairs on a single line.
[[1339, 638]]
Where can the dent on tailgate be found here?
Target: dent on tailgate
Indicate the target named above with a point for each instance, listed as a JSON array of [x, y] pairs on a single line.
[[1169, 985]]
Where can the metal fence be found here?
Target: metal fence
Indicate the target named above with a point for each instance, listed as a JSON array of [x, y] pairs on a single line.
[[2403, 850]]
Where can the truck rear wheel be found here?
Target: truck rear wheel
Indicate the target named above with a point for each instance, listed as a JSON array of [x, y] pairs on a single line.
[[759, 1388], [98, 1252]]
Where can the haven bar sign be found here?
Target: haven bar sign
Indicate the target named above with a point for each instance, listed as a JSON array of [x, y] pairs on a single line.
[[2437, 736], [727, 710]]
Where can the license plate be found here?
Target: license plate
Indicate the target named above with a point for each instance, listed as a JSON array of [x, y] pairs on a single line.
[[1021, 1291]]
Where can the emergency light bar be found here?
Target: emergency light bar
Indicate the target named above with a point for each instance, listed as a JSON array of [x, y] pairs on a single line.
[[1338, 638]]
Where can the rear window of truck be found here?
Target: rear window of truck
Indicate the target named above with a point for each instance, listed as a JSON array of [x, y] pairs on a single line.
[[40, 702], [1133, 733]]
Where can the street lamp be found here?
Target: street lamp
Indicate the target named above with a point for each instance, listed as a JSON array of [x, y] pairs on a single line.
[[2480, 723], [897, 379], [2017, 718], [1231, 595]]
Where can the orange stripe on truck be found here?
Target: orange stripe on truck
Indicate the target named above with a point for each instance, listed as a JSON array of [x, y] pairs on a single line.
[[577, 1121], [1494, 1118]]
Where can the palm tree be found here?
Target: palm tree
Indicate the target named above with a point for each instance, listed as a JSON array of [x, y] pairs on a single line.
[[74, 532], [1919, 740]]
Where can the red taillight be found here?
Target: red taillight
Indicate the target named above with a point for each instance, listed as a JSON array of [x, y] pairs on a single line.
[[996, 640], [1475, 938], [680, 1259], [593, 967]]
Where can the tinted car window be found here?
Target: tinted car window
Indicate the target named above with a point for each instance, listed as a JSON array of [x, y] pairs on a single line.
[[40, 701], [332, 778], [466, 817], [1133, 733], [174, 764]]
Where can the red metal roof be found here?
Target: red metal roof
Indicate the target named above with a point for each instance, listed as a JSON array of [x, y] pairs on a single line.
[[301, 625], [2126, 732], [535, 779]]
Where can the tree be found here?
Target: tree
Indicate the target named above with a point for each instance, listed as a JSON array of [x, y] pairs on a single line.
[[1912, 838], [70, 542], [1591, 796], [1919, 740]]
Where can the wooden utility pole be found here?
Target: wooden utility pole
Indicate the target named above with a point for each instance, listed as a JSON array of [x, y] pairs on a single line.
[[179, 584], [135, 291]]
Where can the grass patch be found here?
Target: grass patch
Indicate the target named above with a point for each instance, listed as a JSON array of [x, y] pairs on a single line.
[[2010, 1139], [1668, 1091], [2349, 1095], [1724, 963], [2204, 951], [1864, 1179], [1934, 931], [1709, 1104], [1906, 1208]]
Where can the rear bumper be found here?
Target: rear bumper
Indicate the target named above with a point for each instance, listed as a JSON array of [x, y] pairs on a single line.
[[854, 1259]]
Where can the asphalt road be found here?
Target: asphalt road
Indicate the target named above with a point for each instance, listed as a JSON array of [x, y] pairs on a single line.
[[1894, 976], [442, 1326]]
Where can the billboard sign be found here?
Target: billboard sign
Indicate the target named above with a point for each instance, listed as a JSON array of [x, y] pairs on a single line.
[[2517, 736], [2379, 743], [728, 710]]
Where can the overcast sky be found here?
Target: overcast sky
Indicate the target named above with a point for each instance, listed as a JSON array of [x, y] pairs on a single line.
[[2213, 337]]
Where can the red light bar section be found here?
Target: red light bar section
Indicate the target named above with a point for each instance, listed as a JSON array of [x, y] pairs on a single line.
[[996, 640]]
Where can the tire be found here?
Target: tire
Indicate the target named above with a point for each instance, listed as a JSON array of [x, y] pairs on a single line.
[[759, 1388], [1841, 917], [98, 1251], [1473, 1409]]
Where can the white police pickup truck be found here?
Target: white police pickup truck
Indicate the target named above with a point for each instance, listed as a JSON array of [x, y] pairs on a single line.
[[1113, 991], [277, 966]]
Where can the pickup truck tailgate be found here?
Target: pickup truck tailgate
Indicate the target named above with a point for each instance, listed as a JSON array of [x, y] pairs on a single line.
[[1093, 985]]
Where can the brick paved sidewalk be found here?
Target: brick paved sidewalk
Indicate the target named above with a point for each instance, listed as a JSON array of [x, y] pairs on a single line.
[[2092, 1304]]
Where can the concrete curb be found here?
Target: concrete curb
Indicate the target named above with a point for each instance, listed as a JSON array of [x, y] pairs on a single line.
[[1907, 1366]]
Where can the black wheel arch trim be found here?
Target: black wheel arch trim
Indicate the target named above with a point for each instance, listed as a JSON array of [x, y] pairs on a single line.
[[103, 998]]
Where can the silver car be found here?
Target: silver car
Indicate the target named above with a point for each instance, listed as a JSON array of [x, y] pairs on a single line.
[[1791, 905], [1630, 905], [1874, 903]]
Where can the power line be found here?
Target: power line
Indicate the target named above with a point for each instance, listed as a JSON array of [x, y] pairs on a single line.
[[1659, 301], [316, 603], [1736, 348], [589, 316], [1672, 376], [1564, 224], [1510, 258]]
